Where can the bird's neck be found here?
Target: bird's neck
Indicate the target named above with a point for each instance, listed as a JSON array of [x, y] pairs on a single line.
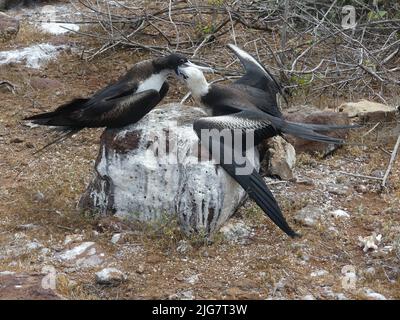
[[200, 88]]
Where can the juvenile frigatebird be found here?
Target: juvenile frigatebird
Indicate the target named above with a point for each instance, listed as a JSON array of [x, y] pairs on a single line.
[[244, 106]]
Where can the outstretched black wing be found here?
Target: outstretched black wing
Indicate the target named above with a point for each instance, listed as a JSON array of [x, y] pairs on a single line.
[[116, 111], [249, 179], [256, 75]]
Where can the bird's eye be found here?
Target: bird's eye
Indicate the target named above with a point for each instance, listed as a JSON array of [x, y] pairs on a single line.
[[182, 61]]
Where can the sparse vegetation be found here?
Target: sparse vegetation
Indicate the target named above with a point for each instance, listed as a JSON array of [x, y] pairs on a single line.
[[269, 265]]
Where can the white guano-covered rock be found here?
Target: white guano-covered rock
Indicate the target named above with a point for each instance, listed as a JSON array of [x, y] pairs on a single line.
[[151, 169]]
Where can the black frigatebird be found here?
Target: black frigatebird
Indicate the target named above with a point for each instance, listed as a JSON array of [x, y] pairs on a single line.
[[124, 102]]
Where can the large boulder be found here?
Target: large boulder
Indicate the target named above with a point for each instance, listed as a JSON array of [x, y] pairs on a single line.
[[138, 176], [310, 114], [9, 27]]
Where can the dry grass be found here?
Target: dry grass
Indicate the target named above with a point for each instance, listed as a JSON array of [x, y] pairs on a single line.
[[270, 265]]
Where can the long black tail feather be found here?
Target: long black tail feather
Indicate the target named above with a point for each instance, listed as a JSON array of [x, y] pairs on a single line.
[[66, 133]]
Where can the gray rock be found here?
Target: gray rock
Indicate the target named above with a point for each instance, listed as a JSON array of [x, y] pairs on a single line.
[[84, 255], [182, 295], [192, 279], [371, 294], [9, 27], [309, 215], [44, 83], [140, 177], [310, 114], [340, 214], [73, 238], [236, 232], [369, 111], [110, 276], [183, 247], [116, 238], [280, 159], [339, 190]]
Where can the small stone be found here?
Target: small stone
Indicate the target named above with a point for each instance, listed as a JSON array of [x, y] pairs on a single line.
[[116, 238], [370, 242], [89, 262], [71, 238], [377, 173], [183, 247], [341, 296], [281, 158], [45, 251], [78, 250], [370, 271], [110, 276], [319, 273], [340, 214], [306, 182], [236, 232], [192, 279], [183, 295], [140, 269], [17, 140], [361, 188], [308, 297], [333, 230], [33, 245], [309, 215], [338, 190], [373, 295], [38, 196], [44, 83]]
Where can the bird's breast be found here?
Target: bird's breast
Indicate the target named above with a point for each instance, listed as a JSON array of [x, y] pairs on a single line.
[[154, 82]]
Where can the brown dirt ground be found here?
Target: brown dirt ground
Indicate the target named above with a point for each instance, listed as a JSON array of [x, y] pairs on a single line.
[[269, 265]]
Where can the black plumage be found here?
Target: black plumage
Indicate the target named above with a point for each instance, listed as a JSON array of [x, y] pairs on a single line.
[[248, 104], [119, 104]]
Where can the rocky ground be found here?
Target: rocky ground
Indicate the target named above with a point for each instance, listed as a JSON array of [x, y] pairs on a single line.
[[350, 244]]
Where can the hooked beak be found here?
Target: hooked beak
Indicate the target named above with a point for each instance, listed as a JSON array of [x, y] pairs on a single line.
[[191, 64], [180, 70]]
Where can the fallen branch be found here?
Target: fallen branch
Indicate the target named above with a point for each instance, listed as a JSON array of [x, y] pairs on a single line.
[[390, 165]]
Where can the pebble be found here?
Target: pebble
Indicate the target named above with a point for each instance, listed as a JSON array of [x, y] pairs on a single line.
[[183, 247], [192, 279], [373, 295], [319, 273], [236, 232], [71, 238], [340, 214], [110, 276], [309, 215], [116, 238]]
